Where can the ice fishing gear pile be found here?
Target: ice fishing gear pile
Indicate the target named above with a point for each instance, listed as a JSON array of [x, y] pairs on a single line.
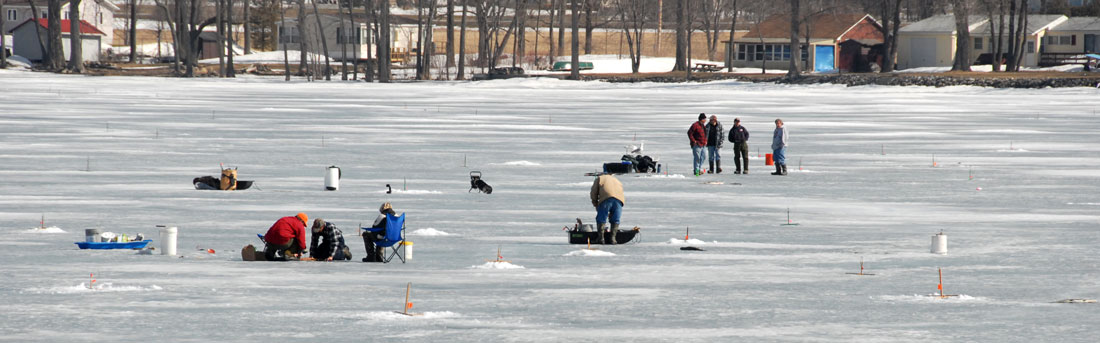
[[582, 233], [477, 183], [227, 182]]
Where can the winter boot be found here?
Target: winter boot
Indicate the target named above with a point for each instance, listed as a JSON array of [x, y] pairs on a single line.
[[614, 232], [778, 169], [711, 169], [718, 165], [784, 172], [737, 163], [600, 233]]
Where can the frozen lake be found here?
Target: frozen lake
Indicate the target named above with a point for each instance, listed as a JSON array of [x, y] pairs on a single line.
[[119, 154]]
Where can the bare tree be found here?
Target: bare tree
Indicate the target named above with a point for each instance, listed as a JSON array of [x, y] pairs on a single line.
[[711, 14], [520, 43], [133, 30], [634, 14], [286, 57], [303, 43], [76, 53], [962, 35], [230, 42], [462, 42], [324, 41], [575, 67], [3, 43], [683, 41], [730, 53], [220, 24], [450, 38], [794, 67], [247, 4], [384, 41], [552, 52], [889, 14], [55, 60]]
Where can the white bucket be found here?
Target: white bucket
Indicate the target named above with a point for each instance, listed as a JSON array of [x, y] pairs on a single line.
[[332, 178], [168, 240], [408, 249], [939, 244]]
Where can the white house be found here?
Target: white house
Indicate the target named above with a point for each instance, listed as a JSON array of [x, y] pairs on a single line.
[[1070, 39], [28, 41], [358, 47], [97, 13], [931, 42]]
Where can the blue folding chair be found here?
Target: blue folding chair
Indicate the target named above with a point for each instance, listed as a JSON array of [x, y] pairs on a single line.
[[395, 237]]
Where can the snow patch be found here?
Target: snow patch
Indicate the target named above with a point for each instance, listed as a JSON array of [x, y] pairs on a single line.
[[52, 229], [412, 191], [587, 252], [930, 298], [428, 232], [660, 176], [497, 265], [390, 315], [518, 163], [99, 287], [689, 241]]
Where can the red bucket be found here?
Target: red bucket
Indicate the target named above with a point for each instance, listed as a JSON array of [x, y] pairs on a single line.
[[768, 160]]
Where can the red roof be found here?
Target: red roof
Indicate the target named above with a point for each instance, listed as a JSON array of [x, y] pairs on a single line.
[[85, 27]]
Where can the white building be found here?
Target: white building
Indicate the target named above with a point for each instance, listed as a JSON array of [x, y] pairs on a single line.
[[404, 37], [29, 41], [97, 13], [931, 42]]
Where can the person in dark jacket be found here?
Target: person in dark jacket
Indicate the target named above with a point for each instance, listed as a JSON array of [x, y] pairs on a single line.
[[739, 136], [375, 253], [286, 239], [715, 133], [697, 137], [331, 245]]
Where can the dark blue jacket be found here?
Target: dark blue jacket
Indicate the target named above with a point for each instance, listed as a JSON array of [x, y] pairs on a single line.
[[738, 134]]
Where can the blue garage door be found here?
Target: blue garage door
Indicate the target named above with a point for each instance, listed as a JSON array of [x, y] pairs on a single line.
[[823, 59]]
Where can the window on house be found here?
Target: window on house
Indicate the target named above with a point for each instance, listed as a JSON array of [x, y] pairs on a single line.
[[65, 15], [1065, 40], [12, 14], [99, 18], [978, 43], [1030, 47]]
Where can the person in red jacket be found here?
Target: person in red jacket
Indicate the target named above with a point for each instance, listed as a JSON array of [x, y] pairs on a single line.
[[697, 136], [288, 234]]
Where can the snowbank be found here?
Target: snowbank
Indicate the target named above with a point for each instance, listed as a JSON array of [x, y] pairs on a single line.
[[52, 229], [428, 232], [497, 265], [518, 163], [390, 315], [588, 252], [99, 287], [689, 241]]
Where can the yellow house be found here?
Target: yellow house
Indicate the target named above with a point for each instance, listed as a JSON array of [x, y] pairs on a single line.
[[931, 42], [1067, 42]]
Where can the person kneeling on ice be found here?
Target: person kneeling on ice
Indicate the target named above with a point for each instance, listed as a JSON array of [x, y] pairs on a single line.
[[287, 235], [332, 246], [374, 254], [607, 196]]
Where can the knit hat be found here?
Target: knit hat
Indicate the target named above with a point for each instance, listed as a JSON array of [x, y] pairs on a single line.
[[318, 225], [702, 116], [303, 217], [385, 208]]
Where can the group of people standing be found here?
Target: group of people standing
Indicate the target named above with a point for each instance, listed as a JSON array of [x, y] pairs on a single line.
[[706, 138]]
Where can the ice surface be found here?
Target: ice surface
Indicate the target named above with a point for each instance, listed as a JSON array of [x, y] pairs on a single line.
[[51, 229], [118, 154], [497, 265]]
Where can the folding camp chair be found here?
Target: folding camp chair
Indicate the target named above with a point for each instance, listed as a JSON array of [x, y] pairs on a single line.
[[395, 237]]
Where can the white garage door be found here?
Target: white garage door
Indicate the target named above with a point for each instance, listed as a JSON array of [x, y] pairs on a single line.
[[922, 52]]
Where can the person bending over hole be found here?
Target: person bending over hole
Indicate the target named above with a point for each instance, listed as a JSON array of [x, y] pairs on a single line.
[[286, 239], [331, 245]]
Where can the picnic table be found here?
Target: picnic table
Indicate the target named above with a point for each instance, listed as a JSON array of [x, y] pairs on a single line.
[[706, 67]]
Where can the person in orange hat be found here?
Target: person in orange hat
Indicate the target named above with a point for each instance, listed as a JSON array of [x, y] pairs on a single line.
[[287, 235]]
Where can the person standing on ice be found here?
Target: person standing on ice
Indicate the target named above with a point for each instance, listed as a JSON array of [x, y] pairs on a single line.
[[608, 199], [697, 137], [288, 234], [331, 245], [715, 133], [779, 148], [739, 136]]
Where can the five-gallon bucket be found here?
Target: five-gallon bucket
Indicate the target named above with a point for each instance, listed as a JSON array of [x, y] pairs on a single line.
[[332, 178], [168, 240], [408, 249], [768, 160]]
